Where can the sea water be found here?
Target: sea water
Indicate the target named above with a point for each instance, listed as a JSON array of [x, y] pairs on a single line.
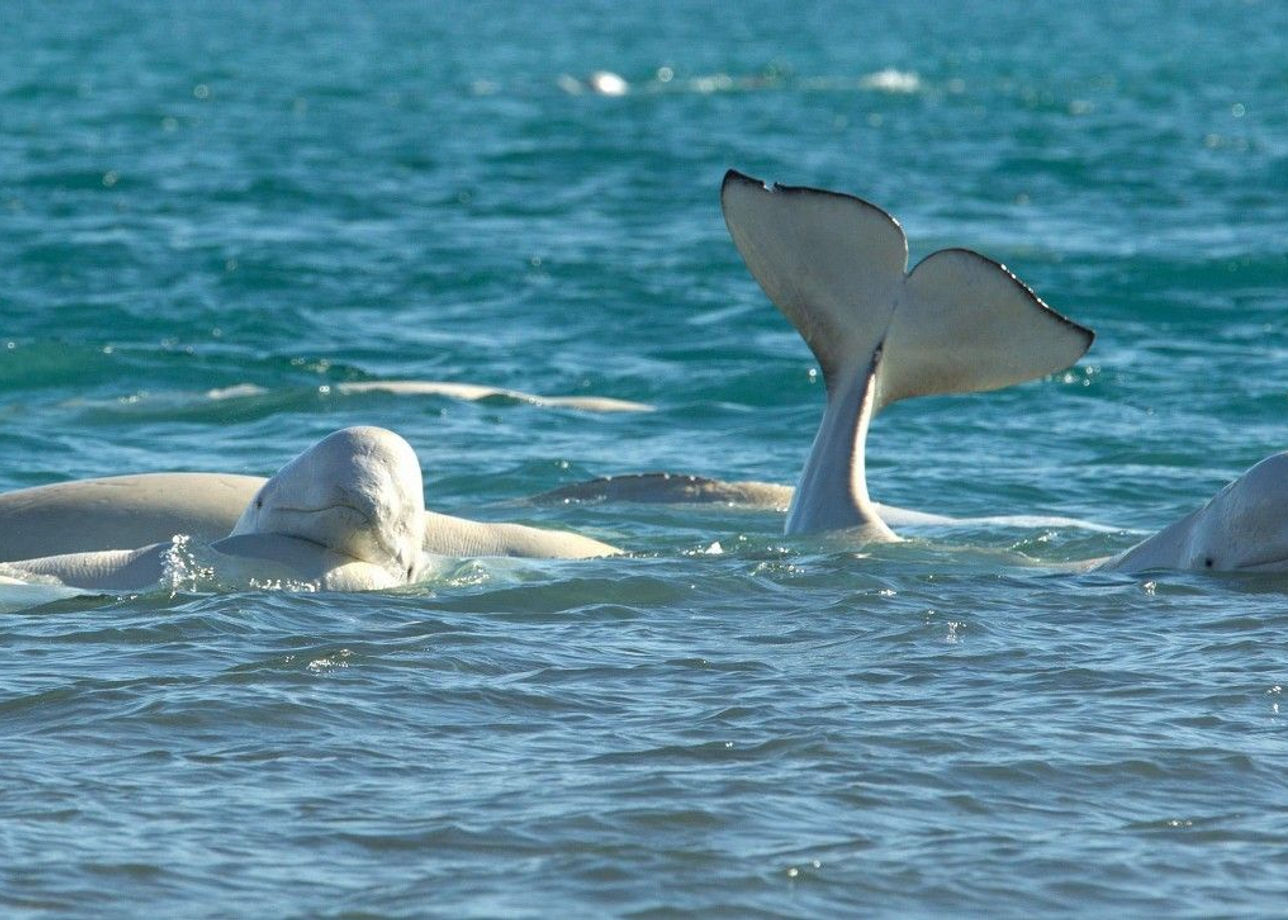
[[212, 213]]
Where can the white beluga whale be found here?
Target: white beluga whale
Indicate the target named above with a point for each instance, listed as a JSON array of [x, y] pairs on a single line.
[[92, 514], [133, 510], [115, 511], [476, 392], [1243, 528], [958, 322], [835, 266], [346, 514], [251, 393], [358, 491], [470, 392]]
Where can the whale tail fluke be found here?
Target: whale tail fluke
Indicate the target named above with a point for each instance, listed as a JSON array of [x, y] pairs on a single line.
[[834, 265], [966, 324]]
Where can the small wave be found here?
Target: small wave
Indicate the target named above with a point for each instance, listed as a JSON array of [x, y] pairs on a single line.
[[236, 391], [606, 83], [601, 82], [891, 80]]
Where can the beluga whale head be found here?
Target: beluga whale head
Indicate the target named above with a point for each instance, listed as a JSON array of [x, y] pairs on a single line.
[[1243, 528], [357, 492]]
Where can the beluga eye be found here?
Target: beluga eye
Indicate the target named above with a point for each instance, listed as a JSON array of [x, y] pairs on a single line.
[[1209, 562]]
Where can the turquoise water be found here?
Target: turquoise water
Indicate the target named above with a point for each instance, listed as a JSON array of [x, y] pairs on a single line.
[[199, 196]]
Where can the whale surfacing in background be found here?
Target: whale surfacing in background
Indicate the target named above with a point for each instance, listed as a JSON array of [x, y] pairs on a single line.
[[834, 265]]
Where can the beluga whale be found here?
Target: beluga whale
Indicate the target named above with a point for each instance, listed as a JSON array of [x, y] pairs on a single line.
[[346, 514], [1243, 528], [957, 322], [836, 267], [108, 512]]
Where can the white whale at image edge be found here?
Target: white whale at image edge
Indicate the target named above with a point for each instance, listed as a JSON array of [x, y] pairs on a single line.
[[346, 514]]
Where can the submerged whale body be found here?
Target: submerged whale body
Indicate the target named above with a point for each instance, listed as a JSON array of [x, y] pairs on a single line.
[[688, 489]]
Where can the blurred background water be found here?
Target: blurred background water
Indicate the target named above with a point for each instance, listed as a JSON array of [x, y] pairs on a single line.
[[196, 197]]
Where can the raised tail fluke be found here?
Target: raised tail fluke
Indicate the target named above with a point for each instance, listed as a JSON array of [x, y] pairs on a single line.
[[834, 265], [831, 263], [964, 323]]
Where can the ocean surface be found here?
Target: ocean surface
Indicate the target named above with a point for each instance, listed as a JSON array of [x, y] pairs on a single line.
[[212, 213]]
